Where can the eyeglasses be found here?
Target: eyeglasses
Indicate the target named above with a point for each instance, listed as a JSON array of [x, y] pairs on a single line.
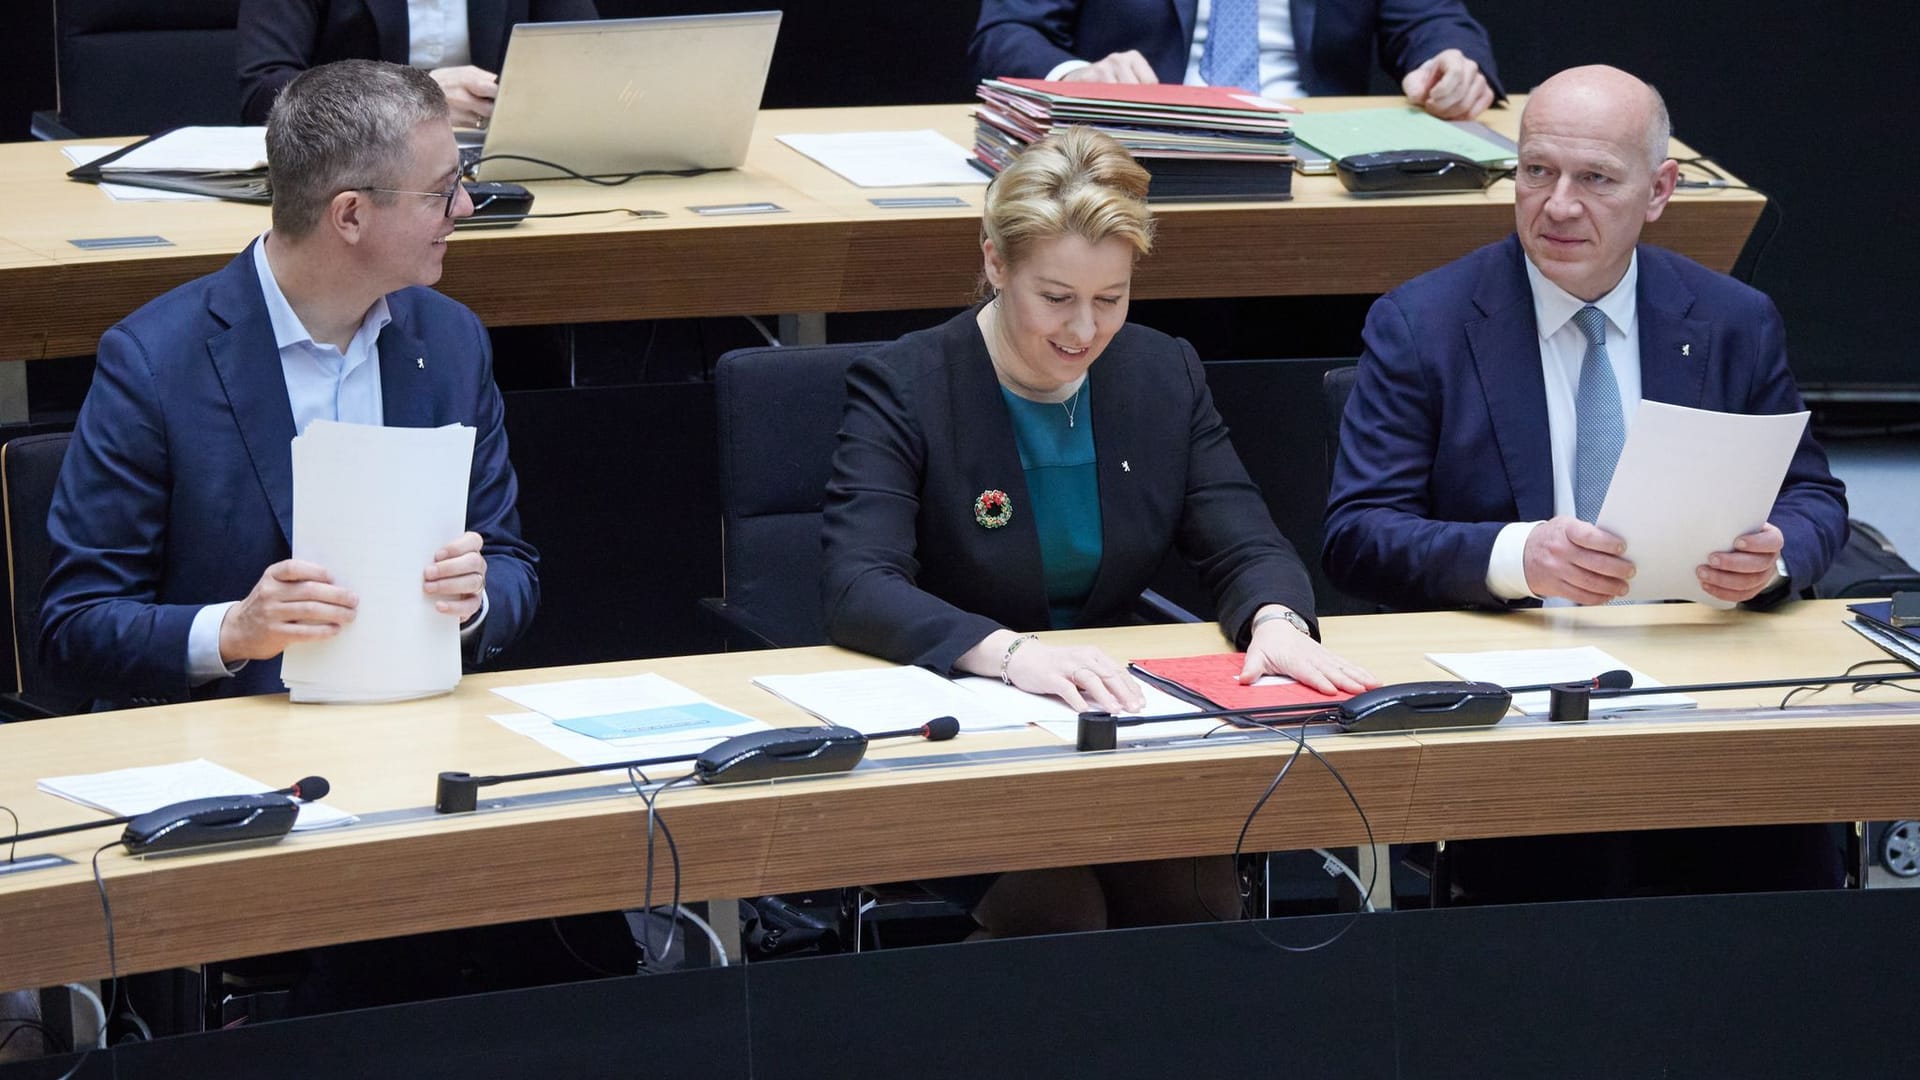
[[449, 195]]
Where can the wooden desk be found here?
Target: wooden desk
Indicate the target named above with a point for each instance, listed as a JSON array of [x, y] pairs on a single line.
[[832, 251], [892, 824]]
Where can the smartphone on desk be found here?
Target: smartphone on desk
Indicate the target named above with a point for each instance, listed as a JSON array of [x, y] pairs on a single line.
[[1905, 609]]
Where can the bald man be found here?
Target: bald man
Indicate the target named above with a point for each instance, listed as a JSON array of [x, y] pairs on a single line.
[[1466, 476]]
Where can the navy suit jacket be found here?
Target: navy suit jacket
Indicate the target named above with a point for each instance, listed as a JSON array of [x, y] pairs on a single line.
[[279, 39], [177, 489], [911, 576], [1445, 440], [1335, 40]]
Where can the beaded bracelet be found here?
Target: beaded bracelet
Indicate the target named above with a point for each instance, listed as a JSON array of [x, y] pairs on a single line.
[[1014, 647]]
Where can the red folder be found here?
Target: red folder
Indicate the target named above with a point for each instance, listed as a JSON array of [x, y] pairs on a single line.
[[1214, 678]]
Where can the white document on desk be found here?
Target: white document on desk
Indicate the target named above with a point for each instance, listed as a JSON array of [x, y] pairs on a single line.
[[622, 703], [871, 700], [1057, 718], [1532, 667], [130, 792], [1689, 482], [871, 159], [371, 505]]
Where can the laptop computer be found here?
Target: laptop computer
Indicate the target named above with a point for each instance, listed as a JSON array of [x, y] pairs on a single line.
[[618, 96]]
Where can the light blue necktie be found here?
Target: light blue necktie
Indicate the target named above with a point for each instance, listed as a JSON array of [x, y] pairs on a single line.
[[1600, 429], [1232, 53]]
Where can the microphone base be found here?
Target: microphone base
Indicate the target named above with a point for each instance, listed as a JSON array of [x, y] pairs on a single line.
[[1569, 703], [1097, 731], [456, 793]]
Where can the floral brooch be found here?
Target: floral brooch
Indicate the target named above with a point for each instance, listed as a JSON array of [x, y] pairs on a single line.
[[992, 509]]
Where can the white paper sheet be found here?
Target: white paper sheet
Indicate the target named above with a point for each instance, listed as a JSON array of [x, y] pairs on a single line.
[[204, 149], [371, 505], [1690, 482], [870, 700], [80, 155], [128, 792], [591, 699], [871, 159], [1531, 667]]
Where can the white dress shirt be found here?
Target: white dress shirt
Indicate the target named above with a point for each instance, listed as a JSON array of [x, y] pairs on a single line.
[[1562, 350], [1279, 66], [437, 34]]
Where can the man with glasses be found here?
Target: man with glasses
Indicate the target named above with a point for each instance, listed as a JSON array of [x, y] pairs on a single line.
[[170, 574]]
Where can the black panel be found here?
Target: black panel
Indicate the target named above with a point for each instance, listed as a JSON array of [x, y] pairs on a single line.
[[686, 1026], [617, 491], [1786, 985], [1197, 1001]]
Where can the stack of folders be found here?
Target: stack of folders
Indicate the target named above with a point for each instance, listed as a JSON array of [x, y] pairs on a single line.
[[224, 162], [1875, 623], [1201, 143]]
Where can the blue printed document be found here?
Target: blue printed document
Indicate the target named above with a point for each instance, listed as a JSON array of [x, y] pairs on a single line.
[[669, 721]]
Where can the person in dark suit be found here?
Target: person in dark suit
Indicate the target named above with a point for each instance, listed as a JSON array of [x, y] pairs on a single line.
[[170, 574], [990, 483], [1279, 48], [1490, 406], [281, 38]]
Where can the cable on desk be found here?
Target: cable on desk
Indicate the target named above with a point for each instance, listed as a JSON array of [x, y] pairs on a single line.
[[1810, 691], [603, 179]]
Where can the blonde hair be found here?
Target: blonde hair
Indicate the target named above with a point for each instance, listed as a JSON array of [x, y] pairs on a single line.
[[1080, 183]]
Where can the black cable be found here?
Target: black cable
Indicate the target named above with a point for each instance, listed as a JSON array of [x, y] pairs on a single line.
[[503, 219], [1373, 873], [48, 1036], [1858, 687], [647, 952], [603, 179]]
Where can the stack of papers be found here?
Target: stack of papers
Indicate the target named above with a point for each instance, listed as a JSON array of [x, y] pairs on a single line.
[[130, 792], [372, 505], [223, 162], [1532, 667], [1199, 142], [599, 721]]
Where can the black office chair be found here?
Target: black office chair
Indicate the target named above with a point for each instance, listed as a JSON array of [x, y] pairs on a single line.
[[136, 67], [1336, 386], [29, 467], [779, 417]]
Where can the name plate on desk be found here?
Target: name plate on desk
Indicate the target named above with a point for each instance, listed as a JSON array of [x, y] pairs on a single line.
[[917, 202], [33, 862], [739, 208], [106, 243]]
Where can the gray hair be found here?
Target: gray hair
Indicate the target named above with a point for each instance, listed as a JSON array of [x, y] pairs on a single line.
[[1659, 129], [341, 125]]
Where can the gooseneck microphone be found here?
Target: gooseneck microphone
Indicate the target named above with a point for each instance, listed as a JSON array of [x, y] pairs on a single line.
[[307, 789], [778, 753], [1617, 679], [1570, 701]]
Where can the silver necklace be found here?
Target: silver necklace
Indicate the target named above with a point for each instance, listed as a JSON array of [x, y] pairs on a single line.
[[1072, 403]]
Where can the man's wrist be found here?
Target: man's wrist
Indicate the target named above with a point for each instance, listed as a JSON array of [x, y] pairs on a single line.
[[1067, 67], [1280, 613], [1507, 565]]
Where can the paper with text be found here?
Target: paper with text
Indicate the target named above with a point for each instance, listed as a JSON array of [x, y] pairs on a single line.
[[870, 700], [871, 159], [1531, 667]]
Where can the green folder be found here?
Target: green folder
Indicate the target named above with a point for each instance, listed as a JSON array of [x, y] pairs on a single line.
[[1368, 131]]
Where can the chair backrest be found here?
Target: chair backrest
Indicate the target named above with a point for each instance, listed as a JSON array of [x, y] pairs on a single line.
[[780, 414], [1336, 386], [136, 67], [29, 467]]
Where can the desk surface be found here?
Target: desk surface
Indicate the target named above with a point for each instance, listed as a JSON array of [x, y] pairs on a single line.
[[902, 823], [830, 251]]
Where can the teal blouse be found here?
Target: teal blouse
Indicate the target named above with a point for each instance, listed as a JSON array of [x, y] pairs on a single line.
[[1064, 491]]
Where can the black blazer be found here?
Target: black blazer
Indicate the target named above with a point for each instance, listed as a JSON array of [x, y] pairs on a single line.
[[911, 576], [279, 39]]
